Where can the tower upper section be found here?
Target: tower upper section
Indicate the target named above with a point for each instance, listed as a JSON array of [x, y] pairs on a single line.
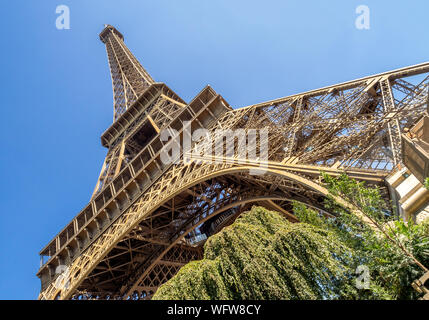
[[129, 78]]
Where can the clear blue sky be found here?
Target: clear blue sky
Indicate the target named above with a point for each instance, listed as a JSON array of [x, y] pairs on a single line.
[[56, 94]]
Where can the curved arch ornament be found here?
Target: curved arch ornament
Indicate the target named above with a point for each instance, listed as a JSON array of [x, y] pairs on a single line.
[[144, 271], [159, 193]]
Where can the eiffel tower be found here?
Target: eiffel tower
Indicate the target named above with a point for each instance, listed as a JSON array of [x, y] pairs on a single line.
[[147, 218]]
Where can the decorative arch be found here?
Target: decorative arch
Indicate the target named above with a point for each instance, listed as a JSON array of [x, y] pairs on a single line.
[[160, 192]]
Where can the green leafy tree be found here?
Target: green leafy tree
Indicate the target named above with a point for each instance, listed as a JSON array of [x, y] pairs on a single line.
[[396, 252], [264, 256]]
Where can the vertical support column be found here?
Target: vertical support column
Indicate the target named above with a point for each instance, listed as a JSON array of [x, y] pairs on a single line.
[[57, 244], [120, 158], [394, 130], [111, 167], [75, 226], [296, 115]]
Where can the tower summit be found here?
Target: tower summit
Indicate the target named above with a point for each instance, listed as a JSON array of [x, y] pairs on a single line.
[[130, 81], [129, 78]]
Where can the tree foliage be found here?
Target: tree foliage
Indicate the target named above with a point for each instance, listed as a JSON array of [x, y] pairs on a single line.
[[395, 251], [263, 256]]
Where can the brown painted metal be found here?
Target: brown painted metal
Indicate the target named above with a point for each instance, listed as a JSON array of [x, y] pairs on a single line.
[[146, 218]]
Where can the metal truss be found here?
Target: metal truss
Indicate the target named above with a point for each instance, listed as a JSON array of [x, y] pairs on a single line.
[[147, 218], [129, 78]]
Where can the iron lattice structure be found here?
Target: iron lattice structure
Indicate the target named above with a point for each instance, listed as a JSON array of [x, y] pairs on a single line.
[[146, 218]]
